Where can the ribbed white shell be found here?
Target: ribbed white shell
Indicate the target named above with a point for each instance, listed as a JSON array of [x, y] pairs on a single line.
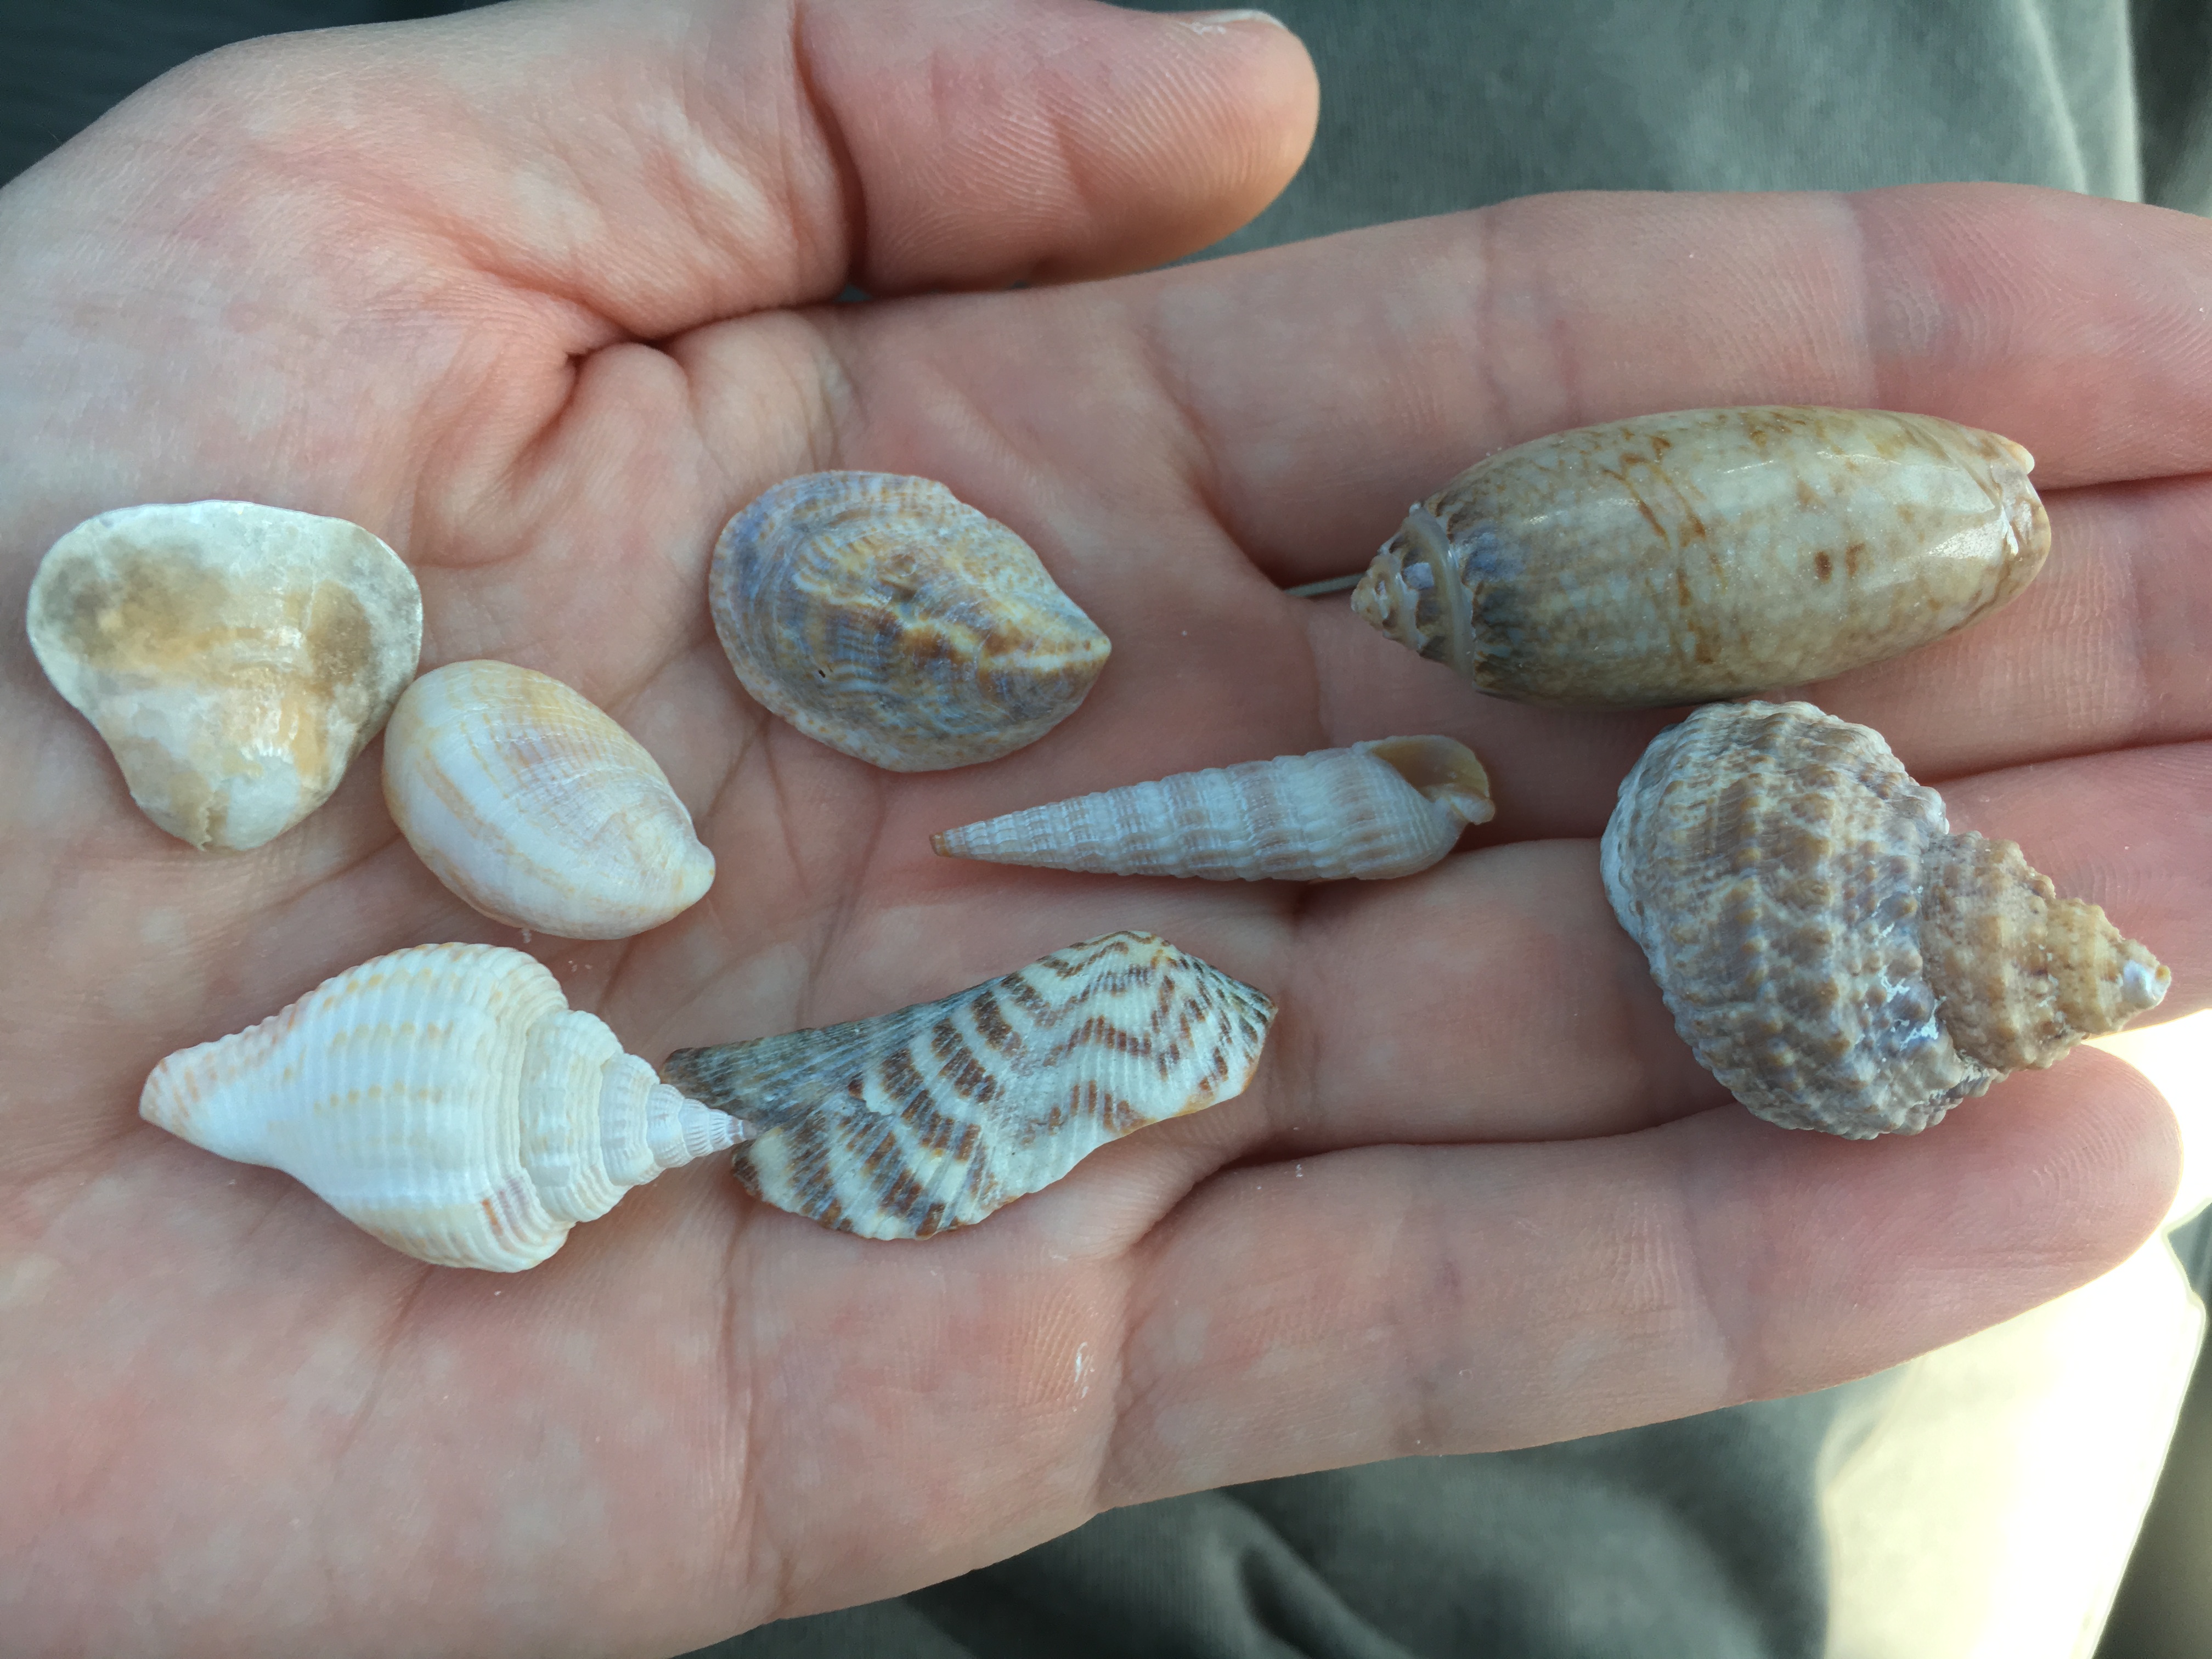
[[536, 808], [1322, 816], [933, 1116], [445, 1098]]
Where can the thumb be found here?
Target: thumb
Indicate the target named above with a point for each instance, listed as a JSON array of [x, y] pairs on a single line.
[[668, 164]]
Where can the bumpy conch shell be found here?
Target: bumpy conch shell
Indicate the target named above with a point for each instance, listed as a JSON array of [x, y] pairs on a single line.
[[1379, 808], [235, 656], [1690, 556], [881, 616], [1830, 951], [535, 807], [444, 1098], [933, 1118]]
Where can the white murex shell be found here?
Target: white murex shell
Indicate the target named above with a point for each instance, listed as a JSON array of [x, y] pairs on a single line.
[[1389, 807], [536, 808], [931, 1117], [234, 657], [447, 1099]]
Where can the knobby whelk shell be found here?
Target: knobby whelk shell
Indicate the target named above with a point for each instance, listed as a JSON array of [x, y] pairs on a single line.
[[1690, 556], [1379, 808], [443, 1097], [880, 615], [1830, 951], [535, 807], [234, 657], [933, 1118]]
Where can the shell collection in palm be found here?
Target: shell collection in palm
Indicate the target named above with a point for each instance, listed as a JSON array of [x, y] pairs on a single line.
[[1828, 947]]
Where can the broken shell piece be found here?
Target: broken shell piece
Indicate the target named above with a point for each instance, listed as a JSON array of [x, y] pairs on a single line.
[[1828, 948], [1699, 555], [446, 1099], [1375, 809], [933, 1118], [884, 617], [536, 808], [234, 657]]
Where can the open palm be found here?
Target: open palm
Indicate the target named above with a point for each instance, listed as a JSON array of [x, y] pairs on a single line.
[[518, 291]]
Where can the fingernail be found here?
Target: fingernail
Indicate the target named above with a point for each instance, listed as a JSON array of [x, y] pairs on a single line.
[[1220, 22]]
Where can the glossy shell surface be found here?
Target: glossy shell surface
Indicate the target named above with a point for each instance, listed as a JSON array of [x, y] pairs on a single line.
[[883, 617], [934, 1116], [1380, 809], [536, 808], [446, 1099], [1690, 556], [1834, 954], [235, 658]]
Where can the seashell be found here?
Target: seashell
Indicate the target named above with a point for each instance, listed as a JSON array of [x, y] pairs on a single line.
[[883, 617], [446, 1099], [931, 1118], [234, 657], [1832, 953], [1375, 809], [535, 807], [1695, 556]]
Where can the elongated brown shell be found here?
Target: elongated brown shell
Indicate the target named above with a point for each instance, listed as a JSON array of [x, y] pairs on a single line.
[[1380, 809], [1699, 555], [934, 1116], [880, 615], [1829, 950]]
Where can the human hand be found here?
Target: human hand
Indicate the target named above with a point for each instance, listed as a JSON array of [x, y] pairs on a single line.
[[522, 291]]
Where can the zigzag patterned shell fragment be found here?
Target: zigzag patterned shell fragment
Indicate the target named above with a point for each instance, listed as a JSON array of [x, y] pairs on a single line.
[[1376, 810], [882, 616], [1829, 950], [446, 1099], [933, 1118], [1698, 554]]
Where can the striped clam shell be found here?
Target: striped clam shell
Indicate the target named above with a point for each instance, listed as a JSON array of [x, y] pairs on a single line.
[[884, 617], [1379, 808], [933, 1118]]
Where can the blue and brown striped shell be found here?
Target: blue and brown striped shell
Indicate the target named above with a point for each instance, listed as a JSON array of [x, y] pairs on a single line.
[[882, 616], [933, 1118]]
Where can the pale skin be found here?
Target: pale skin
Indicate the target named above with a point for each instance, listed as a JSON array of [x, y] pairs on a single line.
[[540, 295]]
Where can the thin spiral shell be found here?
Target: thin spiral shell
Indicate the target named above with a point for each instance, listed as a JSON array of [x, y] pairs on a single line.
[[444, 1098], [1829, 950], [934, 1116], [1376, 810], [536, 808], [1702, 553], [880, 615]]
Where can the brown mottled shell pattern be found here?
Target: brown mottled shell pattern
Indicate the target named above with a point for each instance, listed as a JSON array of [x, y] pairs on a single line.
[[1829, 950], [936, 1115], [1705, 553]]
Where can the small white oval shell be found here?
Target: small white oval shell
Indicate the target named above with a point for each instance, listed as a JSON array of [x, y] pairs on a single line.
[[536, 808], [1385, 808], [444, 1099], [936, 1115], [234, 657], [884, 616]]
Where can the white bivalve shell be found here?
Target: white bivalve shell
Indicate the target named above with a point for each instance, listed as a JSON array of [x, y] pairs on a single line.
[[1380, 809], [1828, 948], [536, 808], [446, 1099], [933, 1118], [234, 657]]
